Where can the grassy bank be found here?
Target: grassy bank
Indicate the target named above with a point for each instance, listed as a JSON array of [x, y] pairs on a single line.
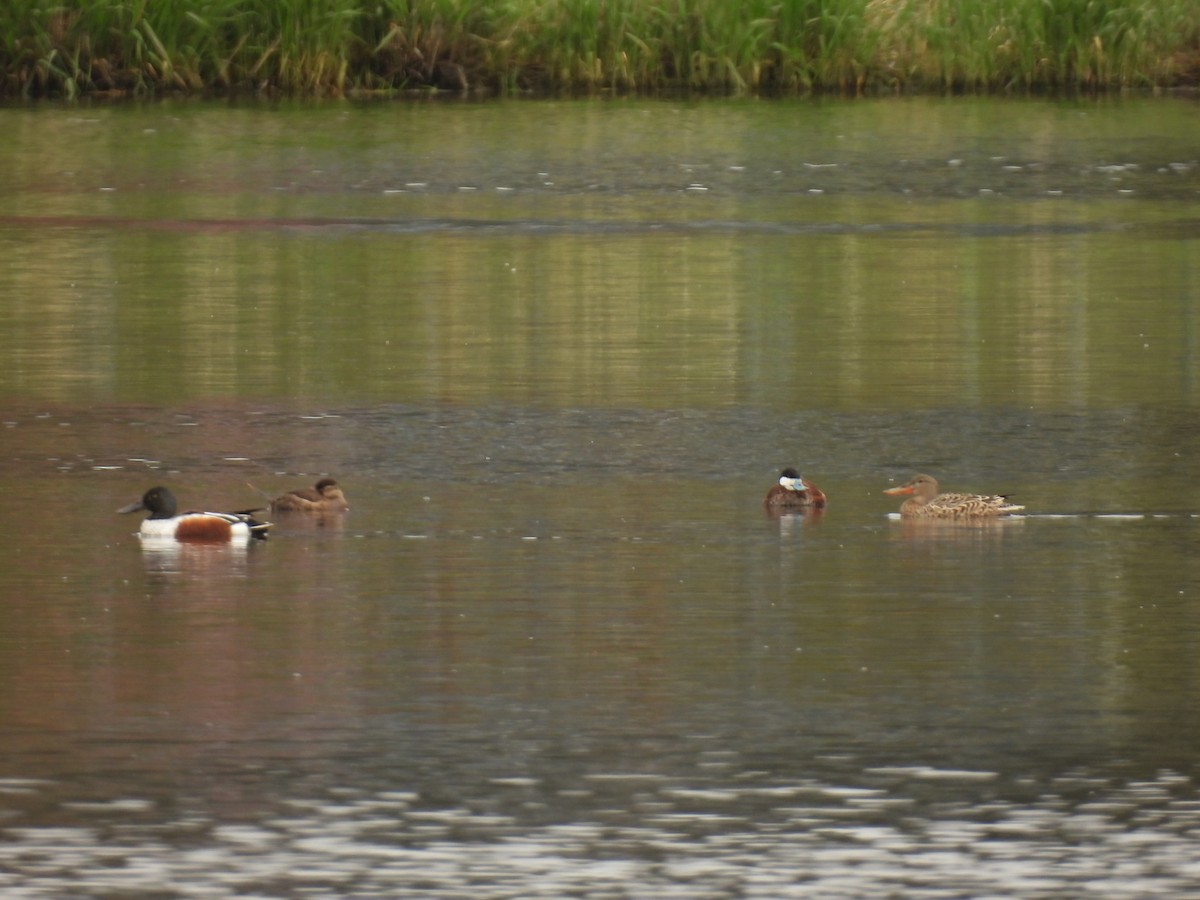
[[329, 46]]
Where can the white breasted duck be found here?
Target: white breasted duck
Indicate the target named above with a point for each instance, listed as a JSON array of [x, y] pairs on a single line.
[[193, 526]]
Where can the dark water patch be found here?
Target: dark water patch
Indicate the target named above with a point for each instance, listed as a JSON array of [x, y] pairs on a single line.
[[1047, 460], [549, 228]]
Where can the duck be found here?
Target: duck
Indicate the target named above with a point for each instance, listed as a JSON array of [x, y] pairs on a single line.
[[924, 502], [193, 526], [324, 496], [793, 492]]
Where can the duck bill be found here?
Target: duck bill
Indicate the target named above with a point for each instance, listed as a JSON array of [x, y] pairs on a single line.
[[897, 491], [132, 507]]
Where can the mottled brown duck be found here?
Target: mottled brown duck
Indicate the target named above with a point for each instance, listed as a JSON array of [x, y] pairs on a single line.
[[324, 496], [924, 502]]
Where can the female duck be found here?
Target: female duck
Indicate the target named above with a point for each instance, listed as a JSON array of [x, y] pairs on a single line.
[[324, 496], [192, 526], [793, 492], [926, 503]]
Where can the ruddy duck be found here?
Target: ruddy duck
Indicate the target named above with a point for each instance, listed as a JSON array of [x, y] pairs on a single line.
[[793, 492]]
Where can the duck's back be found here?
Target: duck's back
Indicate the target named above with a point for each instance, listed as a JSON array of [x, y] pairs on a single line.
[[960, 506]]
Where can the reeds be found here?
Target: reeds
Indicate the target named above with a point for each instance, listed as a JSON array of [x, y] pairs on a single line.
[[332, 46]]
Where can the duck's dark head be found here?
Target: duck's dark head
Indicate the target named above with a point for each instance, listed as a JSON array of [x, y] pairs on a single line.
[[158, 501]]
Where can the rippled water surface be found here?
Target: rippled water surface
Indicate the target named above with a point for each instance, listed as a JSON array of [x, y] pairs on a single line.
[[556, 352]]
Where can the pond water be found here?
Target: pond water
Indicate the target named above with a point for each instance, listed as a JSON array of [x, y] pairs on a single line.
[[556, 352]]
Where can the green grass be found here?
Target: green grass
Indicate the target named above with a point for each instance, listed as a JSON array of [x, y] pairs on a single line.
[[73, 47]]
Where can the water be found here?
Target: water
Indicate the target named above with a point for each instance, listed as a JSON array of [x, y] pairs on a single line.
[[556, 352]]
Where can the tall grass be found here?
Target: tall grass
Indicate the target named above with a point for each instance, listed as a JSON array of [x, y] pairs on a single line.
[[67, 47]]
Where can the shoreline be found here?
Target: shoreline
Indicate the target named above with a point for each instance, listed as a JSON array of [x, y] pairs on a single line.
[[588, 47]]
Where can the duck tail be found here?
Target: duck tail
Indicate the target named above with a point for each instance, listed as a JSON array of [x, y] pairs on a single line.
[[258, 491], [258, 530]]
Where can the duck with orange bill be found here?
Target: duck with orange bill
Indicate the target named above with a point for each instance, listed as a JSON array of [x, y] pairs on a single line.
[[926, 502]]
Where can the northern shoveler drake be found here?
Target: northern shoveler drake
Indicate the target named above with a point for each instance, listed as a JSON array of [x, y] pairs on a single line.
[[324, 496], [193, 526], [926, 503], [793, 492]]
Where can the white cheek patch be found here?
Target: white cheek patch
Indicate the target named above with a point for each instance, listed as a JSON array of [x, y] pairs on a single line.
[[793, 484]]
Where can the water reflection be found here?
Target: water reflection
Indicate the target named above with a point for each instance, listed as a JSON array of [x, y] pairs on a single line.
[[307, 522], [936, 265], [992, 528], [793, 522], [760, 837], [194, 560]]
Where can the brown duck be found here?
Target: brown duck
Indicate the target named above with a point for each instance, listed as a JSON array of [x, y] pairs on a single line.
[[925, 502], [324, 496], [793, 492]]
